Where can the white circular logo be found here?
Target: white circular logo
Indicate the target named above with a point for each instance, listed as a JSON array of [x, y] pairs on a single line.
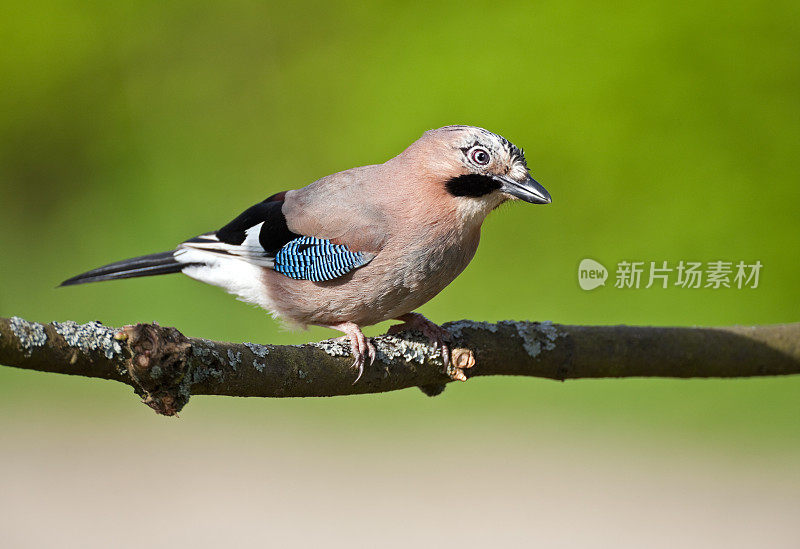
[[591, 274]]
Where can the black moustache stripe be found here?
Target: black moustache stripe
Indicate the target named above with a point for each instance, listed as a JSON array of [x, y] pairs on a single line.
[[472, 185]]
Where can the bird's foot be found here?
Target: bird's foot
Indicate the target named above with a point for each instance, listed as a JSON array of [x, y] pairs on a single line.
[[361, 347], [438, 336]]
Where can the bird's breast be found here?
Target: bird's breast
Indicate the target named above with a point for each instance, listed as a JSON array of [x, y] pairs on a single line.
[[408, 273]]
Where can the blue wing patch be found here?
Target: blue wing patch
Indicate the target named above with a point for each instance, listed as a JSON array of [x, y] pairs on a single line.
[[317, 259]]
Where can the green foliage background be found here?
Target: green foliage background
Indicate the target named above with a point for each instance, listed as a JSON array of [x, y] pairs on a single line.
[[663, 131]]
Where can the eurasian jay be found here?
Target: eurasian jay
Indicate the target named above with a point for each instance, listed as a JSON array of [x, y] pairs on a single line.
[[361, 246]]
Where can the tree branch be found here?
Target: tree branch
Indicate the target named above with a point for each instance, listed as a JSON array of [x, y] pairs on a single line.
[[165, 367]]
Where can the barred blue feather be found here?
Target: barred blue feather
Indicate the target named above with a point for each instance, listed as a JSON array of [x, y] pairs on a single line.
[[317, 259]]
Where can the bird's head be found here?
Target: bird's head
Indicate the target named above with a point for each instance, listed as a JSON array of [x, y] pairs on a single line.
[[477, 167]]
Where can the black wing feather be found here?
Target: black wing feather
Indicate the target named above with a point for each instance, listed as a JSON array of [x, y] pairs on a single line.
[[274, 231], [146, 265]]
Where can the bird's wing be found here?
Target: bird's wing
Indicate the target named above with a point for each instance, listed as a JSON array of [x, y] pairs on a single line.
[[347, 208], [260, 236]]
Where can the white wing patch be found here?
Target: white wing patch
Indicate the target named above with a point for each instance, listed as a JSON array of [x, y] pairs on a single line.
[[250, 250]]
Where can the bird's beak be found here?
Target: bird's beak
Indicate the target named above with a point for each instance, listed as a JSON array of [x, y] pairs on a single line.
[[529, 190]]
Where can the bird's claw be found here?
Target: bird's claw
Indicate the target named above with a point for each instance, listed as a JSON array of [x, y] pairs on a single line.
[[361, 347], [361, 355]]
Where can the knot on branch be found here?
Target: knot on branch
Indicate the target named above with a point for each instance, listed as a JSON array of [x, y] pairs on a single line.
[[158, 366], [460, 359]]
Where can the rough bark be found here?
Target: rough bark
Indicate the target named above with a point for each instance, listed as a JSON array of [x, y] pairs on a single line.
[[166, 368]]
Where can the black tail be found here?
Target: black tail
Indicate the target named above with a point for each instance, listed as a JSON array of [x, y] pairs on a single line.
[[146, 265]]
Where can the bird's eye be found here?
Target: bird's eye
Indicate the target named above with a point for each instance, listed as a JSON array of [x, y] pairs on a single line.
[[479, 156]]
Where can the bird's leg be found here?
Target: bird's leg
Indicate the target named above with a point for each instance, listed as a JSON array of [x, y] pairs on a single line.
[[360, 346], [438, 336]]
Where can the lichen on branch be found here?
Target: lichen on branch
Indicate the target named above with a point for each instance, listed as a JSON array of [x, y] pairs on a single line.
[[165, 367]]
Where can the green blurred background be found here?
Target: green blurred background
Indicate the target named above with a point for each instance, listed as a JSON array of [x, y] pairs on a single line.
[[663, 131]]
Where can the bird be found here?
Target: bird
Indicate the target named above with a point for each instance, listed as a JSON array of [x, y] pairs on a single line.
[[361, 246]]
